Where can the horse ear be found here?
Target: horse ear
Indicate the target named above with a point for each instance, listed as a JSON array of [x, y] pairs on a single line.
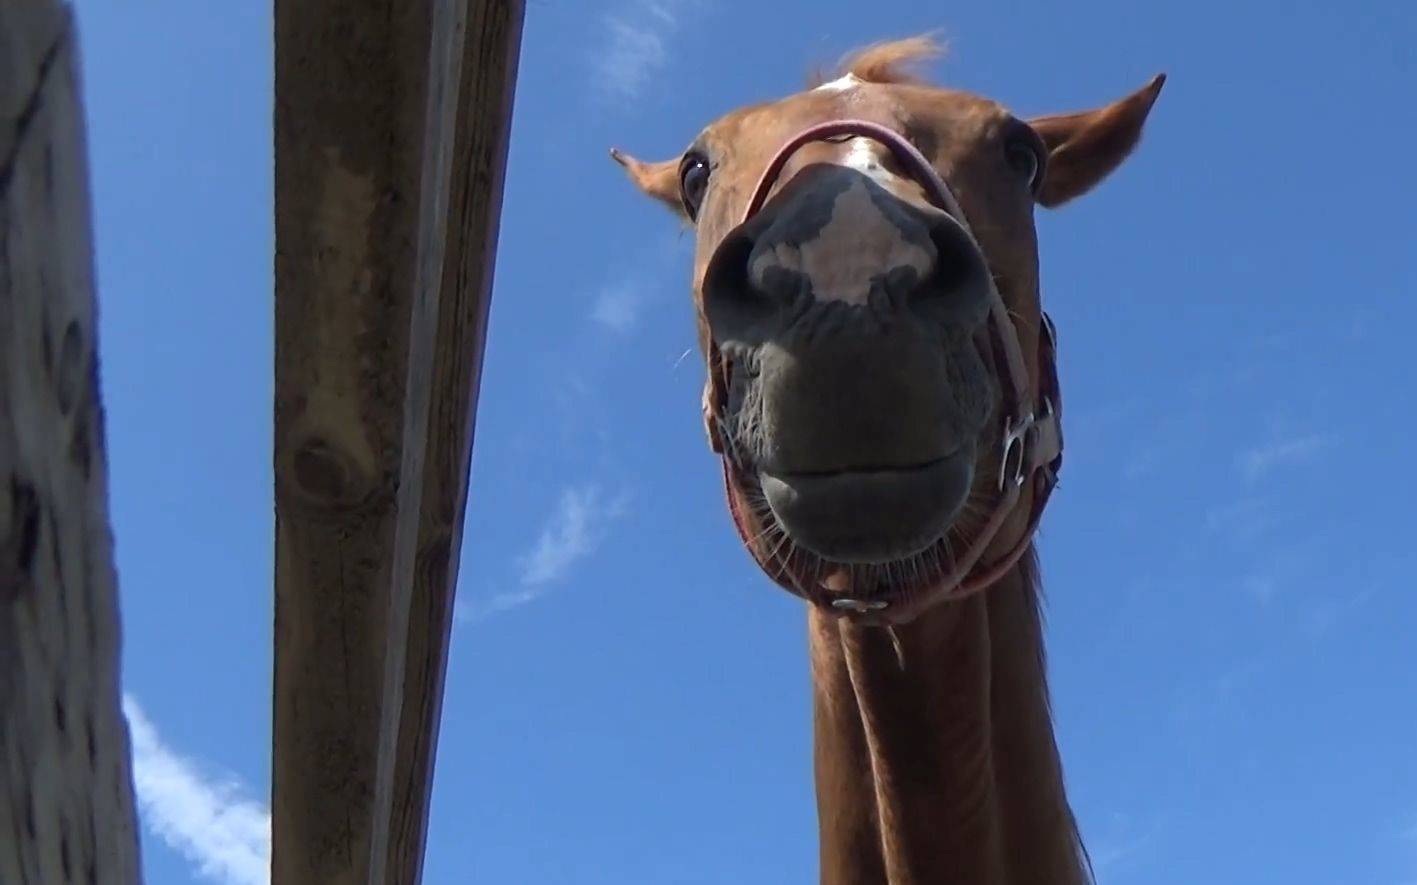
[[658, 180], [1086, 147]]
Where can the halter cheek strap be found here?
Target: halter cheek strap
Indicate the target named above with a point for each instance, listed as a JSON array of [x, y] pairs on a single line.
[[1030, 447]]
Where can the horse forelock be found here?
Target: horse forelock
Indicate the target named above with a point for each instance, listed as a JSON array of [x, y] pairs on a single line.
[[889, 61]]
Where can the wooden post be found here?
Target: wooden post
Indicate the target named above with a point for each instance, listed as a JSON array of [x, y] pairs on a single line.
[[66, 787], [392, 120]]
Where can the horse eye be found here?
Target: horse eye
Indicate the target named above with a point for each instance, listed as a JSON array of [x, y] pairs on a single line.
[[693, 183], [1024, 158]]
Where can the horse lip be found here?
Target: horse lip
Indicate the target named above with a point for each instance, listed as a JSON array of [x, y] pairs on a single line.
[[861, 471], [868, 516]]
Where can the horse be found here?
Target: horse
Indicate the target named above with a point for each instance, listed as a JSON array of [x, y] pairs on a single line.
[[882, 395]]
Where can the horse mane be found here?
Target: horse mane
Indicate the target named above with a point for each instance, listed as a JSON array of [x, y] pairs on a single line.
[[889, 61], [1031, 607]]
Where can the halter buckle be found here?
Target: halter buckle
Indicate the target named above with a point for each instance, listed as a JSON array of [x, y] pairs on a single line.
[[1013, 460]]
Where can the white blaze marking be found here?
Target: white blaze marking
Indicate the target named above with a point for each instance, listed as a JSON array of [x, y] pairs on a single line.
[[855, 245], [863, 157], [840, 84]]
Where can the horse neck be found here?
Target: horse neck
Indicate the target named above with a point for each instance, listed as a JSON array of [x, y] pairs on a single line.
[[935, 757]]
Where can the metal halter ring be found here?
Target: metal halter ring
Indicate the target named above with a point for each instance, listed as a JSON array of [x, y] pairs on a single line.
[[860, 606], [1013, 460]]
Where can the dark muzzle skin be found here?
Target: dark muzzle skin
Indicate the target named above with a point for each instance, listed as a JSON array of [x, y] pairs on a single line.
[[848, 315]]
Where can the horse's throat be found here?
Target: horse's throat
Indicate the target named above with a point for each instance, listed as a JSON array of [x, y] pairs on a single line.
[[931, 768]]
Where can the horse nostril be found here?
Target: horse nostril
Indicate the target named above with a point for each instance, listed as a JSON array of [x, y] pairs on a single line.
[[740, 305], [958, 285]]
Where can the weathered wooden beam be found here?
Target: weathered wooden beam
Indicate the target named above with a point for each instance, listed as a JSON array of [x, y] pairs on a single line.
[[392, 121], [472, 82], [66, 786]]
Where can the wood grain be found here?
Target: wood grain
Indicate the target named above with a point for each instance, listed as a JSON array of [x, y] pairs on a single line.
[[66, 785], [391, 131], [472, 80]]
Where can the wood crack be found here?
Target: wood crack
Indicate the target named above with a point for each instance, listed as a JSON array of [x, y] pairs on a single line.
[[30, 109]]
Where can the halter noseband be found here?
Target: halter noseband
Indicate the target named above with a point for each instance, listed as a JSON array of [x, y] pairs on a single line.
[[1031, 445]]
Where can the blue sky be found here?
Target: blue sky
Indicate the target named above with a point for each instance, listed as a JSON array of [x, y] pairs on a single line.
[[1229, 572]]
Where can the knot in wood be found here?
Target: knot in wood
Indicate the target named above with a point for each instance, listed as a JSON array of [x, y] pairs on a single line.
[[19, 538], [70, 371], [326, 475]]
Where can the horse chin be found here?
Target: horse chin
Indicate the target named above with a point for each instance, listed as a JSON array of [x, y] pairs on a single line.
[[870, 517]]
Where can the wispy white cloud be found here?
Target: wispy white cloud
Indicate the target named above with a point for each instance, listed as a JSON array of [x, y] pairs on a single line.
[[1282, 568], [1255, 522], [658, 270], [206, 819], [635, 52], [1258, 461], [618, 306], [1120, 846], [1243, 520], [574, 531], [576, 528], [1407, 839], [1106, 855], [1318, 616], [636, 44]]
